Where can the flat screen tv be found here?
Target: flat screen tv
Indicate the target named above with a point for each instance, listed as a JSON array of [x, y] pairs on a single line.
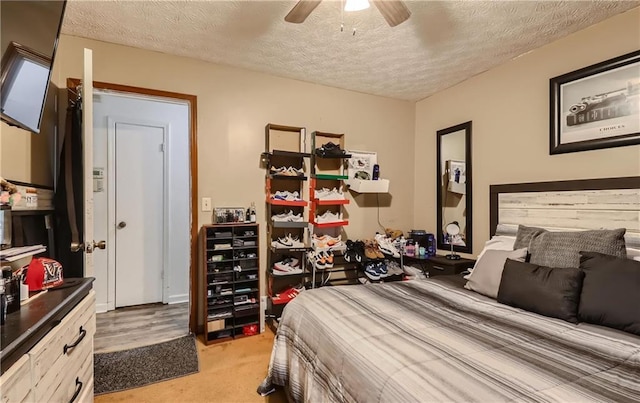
[[29, 38]]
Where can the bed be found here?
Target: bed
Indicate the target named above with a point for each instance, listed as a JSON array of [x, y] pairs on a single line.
[[434, 340]]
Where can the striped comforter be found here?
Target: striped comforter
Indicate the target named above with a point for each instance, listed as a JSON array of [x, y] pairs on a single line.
[[430, 340]]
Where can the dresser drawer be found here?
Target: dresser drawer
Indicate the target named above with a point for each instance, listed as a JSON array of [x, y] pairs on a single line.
[[58, 358], [74, 388], [16, 382], [436, 269]]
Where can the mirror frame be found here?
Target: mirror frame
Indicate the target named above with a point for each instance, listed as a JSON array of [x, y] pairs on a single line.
[[14, 55], [468, 186]]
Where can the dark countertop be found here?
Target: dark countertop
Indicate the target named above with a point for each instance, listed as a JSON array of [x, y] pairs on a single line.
[[24, 328]]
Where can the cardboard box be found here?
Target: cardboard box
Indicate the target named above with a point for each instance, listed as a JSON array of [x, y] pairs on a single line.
[[215, 325]]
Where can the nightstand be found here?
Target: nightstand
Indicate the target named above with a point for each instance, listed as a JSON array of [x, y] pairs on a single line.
[[440, 265]]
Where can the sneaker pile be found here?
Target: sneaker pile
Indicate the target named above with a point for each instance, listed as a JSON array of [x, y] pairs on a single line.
[[287, 217], [326, 241], [287, 295], [321, 259], [328, 217], [329, 194], [288, 265], [330, 150], [287, 171], [286, 196], [287, 241]]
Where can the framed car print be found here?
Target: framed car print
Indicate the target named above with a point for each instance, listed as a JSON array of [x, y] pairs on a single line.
[[596, 107]]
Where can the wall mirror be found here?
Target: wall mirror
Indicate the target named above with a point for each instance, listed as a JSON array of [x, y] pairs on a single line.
[[454, 189]]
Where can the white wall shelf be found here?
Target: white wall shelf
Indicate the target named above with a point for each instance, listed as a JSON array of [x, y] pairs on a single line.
[[368, 186]]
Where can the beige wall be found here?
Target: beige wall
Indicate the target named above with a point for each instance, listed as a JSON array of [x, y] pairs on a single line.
[[234, 105], [25, 156], [509, 107]]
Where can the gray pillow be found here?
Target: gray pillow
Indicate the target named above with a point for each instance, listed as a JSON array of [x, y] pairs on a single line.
[[562, 249], [486, 275], [525, 234]]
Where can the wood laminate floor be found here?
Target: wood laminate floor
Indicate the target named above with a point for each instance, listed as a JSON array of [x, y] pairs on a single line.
[[142, 325]]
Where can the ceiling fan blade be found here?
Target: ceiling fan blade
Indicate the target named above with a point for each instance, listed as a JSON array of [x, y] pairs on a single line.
[[394, 11], [301, 11]]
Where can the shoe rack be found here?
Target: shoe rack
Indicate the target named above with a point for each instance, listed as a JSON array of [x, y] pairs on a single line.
[[329, 171], [285, 148], [231, 270]]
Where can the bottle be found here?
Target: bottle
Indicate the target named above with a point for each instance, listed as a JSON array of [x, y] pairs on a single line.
[[252, 217], [247, 217], [376, 172]]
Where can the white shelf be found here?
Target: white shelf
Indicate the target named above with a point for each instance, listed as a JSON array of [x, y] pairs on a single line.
[[368, 186]]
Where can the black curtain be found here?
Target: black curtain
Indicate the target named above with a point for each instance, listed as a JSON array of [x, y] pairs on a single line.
[[70, 173]]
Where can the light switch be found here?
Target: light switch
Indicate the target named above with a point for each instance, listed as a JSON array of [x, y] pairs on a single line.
[[206, 204]]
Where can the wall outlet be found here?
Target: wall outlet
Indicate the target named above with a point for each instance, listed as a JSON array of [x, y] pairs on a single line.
[[206, 204]]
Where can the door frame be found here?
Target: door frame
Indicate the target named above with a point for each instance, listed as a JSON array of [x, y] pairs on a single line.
[[112, 121], [72, 88]]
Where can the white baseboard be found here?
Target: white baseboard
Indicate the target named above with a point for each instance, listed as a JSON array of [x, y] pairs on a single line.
[[178, 299], [102, 308]]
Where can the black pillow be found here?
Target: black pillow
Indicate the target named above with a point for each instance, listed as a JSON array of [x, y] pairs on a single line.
[[549, 291], [611, 292]]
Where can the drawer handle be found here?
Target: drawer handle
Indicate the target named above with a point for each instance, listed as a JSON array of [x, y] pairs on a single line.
[[68, 347], [78, 389], [438, 268]]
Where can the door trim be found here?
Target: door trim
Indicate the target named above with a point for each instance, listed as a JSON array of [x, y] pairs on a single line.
[[74, 83], [112, 122]]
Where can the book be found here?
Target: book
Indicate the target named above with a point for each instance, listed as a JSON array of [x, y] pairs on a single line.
[[13, 254]]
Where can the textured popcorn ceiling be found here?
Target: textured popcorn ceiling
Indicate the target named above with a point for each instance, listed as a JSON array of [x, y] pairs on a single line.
[[442, 43]]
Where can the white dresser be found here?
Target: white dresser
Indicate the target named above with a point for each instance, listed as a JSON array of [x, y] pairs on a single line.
[[59, 367]]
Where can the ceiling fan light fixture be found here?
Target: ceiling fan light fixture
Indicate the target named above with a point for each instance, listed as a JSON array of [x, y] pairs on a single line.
[[356, 5]]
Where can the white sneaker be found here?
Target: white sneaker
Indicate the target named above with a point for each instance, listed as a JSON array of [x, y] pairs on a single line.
[[287, 242], [282, 217], [286, 267], [386, 246], [333, 194], [326, 241], [286, 195], [328, 217], [291, 171]]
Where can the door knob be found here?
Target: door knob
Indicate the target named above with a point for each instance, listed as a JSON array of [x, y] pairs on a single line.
[[99, 245], [122, 224]]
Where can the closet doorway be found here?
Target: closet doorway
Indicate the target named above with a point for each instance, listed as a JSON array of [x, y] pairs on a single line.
[[145, 187]]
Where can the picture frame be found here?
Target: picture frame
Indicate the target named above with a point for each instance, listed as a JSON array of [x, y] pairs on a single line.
[[228, 215], [596, 107]]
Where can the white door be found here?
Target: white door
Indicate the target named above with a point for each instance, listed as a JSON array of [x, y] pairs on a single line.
[[139, 211], [87, 160], [138, 120]]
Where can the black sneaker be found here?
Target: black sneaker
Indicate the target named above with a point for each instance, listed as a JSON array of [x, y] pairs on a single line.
[[330, 150]]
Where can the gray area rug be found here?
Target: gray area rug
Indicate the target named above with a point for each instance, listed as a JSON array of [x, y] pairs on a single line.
[[141, 366]]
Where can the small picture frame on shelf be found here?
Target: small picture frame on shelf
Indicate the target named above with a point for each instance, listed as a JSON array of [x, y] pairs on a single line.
[[227, 215]]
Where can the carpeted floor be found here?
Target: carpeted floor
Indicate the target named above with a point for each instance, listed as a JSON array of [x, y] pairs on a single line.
[[229, 372], [142, 366]]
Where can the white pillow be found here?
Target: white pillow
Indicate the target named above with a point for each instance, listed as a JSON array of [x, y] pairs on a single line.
[[633, 253], [485, 278], [497, 242]]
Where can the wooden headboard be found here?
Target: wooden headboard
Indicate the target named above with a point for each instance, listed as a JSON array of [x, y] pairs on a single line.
[[568, 205]]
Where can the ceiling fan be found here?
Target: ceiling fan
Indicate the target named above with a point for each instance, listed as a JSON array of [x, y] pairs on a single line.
[[394, 11]]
